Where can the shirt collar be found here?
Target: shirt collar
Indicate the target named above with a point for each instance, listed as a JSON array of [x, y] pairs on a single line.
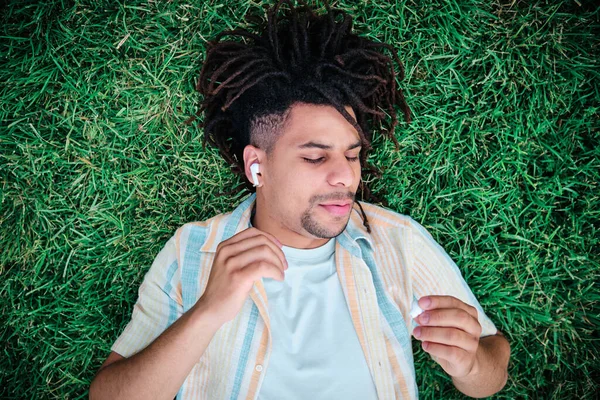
[[239, 220]]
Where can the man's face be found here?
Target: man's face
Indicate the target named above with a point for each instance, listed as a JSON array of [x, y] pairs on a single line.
[[313, 172]]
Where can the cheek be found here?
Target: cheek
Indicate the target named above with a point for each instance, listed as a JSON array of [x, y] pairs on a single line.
[[300, 186], [300, 178], [291, 187], [357, 171]]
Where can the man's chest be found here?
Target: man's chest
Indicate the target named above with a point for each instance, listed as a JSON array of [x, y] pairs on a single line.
[[275, 325]]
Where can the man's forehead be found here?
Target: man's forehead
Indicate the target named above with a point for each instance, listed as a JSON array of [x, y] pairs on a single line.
[[300, 109], [325, 145], [310, 124]]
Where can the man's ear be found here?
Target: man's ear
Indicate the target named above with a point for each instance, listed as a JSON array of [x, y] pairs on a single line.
[[253, 155]]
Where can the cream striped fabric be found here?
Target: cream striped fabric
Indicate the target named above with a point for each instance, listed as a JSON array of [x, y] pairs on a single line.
[[380, 273]]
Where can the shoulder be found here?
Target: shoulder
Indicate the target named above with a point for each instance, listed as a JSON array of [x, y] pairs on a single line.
[[201, 236], [391, 228], [384, 218]]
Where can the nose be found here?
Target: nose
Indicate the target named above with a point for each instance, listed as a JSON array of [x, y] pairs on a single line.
[[342, 172]]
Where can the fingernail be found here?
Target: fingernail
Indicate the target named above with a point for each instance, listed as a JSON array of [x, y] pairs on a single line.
[[424, 318], [417, 332], [425, 345], [425, 301]]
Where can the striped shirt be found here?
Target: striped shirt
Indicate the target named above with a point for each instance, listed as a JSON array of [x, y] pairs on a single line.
[[381, 274]]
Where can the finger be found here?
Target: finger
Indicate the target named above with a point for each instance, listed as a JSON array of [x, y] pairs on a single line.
[[438, 301], [261, 269], [273, 238], [255, 254], [276, 249], [246, 233], [451, 354], [450, 317], [252, 242], [448, 336]]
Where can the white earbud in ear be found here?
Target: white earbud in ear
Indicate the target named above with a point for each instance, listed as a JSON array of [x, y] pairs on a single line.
[[255, 169]]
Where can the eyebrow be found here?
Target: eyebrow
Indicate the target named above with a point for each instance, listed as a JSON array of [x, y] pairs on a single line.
[[312, 144]]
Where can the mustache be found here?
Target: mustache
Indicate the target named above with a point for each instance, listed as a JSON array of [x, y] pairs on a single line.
[[332, 197]]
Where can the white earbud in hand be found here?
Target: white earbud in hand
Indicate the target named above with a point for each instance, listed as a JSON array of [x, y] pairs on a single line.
[[415, 310]]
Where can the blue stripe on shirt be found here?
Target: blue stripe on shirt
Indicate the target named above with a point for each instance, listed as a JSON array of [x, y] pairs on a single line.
[[168, 288], [191, 267], [239, 374]]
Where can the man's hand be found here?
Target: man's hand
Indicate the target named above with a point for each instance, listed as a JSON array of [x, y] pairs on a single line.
[[450, 332], [240, 261]]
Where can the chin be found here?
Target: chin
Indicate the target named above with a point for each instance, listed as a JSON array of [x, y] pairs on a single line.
[[326, 230]]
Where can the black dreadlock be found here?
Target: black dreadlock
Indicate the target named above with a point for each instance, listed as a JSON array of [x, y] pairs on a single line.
[[305, 58]]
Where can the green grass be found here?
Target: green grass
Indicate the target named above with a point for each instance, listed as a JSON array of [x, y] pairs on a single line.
[[97, 170]]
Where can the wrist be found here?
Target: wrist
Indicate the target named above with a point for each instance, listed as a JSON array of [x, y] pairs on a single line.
[[489, 372], [203, 315]]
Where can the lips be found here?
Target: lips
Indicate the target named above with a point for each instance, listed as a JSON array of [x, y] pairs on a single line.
[[334, 209], [340, 203]]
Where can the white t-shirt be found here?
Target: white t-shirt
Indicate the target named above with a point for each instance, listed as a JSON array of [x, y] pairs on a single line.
[[316, 353]]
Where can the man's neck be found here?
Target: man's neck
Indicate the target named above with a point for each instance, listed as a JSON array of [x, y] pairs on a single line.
[[261, 221]]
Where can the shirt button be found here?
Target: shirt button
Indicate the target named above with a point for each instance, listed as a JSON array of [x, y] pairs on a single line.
[[259, 367]]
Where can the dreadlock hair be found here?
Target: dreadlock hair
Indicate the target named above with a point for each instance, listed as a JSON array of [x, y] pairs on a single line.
[[303, 58]]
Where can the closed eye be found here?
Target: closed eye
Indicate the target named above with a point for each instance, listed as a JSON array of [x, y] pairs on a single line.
[[320, 159], [314, 161]]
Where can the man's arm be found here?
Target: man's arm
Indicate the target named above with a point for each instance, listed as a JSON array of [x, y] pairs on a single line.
[[158, 371], [489, 373]]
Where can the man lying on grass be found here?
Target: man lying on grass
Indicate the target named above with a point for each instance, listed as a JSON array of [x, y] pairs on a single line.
[[302, 292]]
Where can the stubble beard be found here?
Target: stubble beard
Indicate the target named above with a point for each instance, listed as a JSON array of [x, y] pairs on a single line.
[[318, 229]]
